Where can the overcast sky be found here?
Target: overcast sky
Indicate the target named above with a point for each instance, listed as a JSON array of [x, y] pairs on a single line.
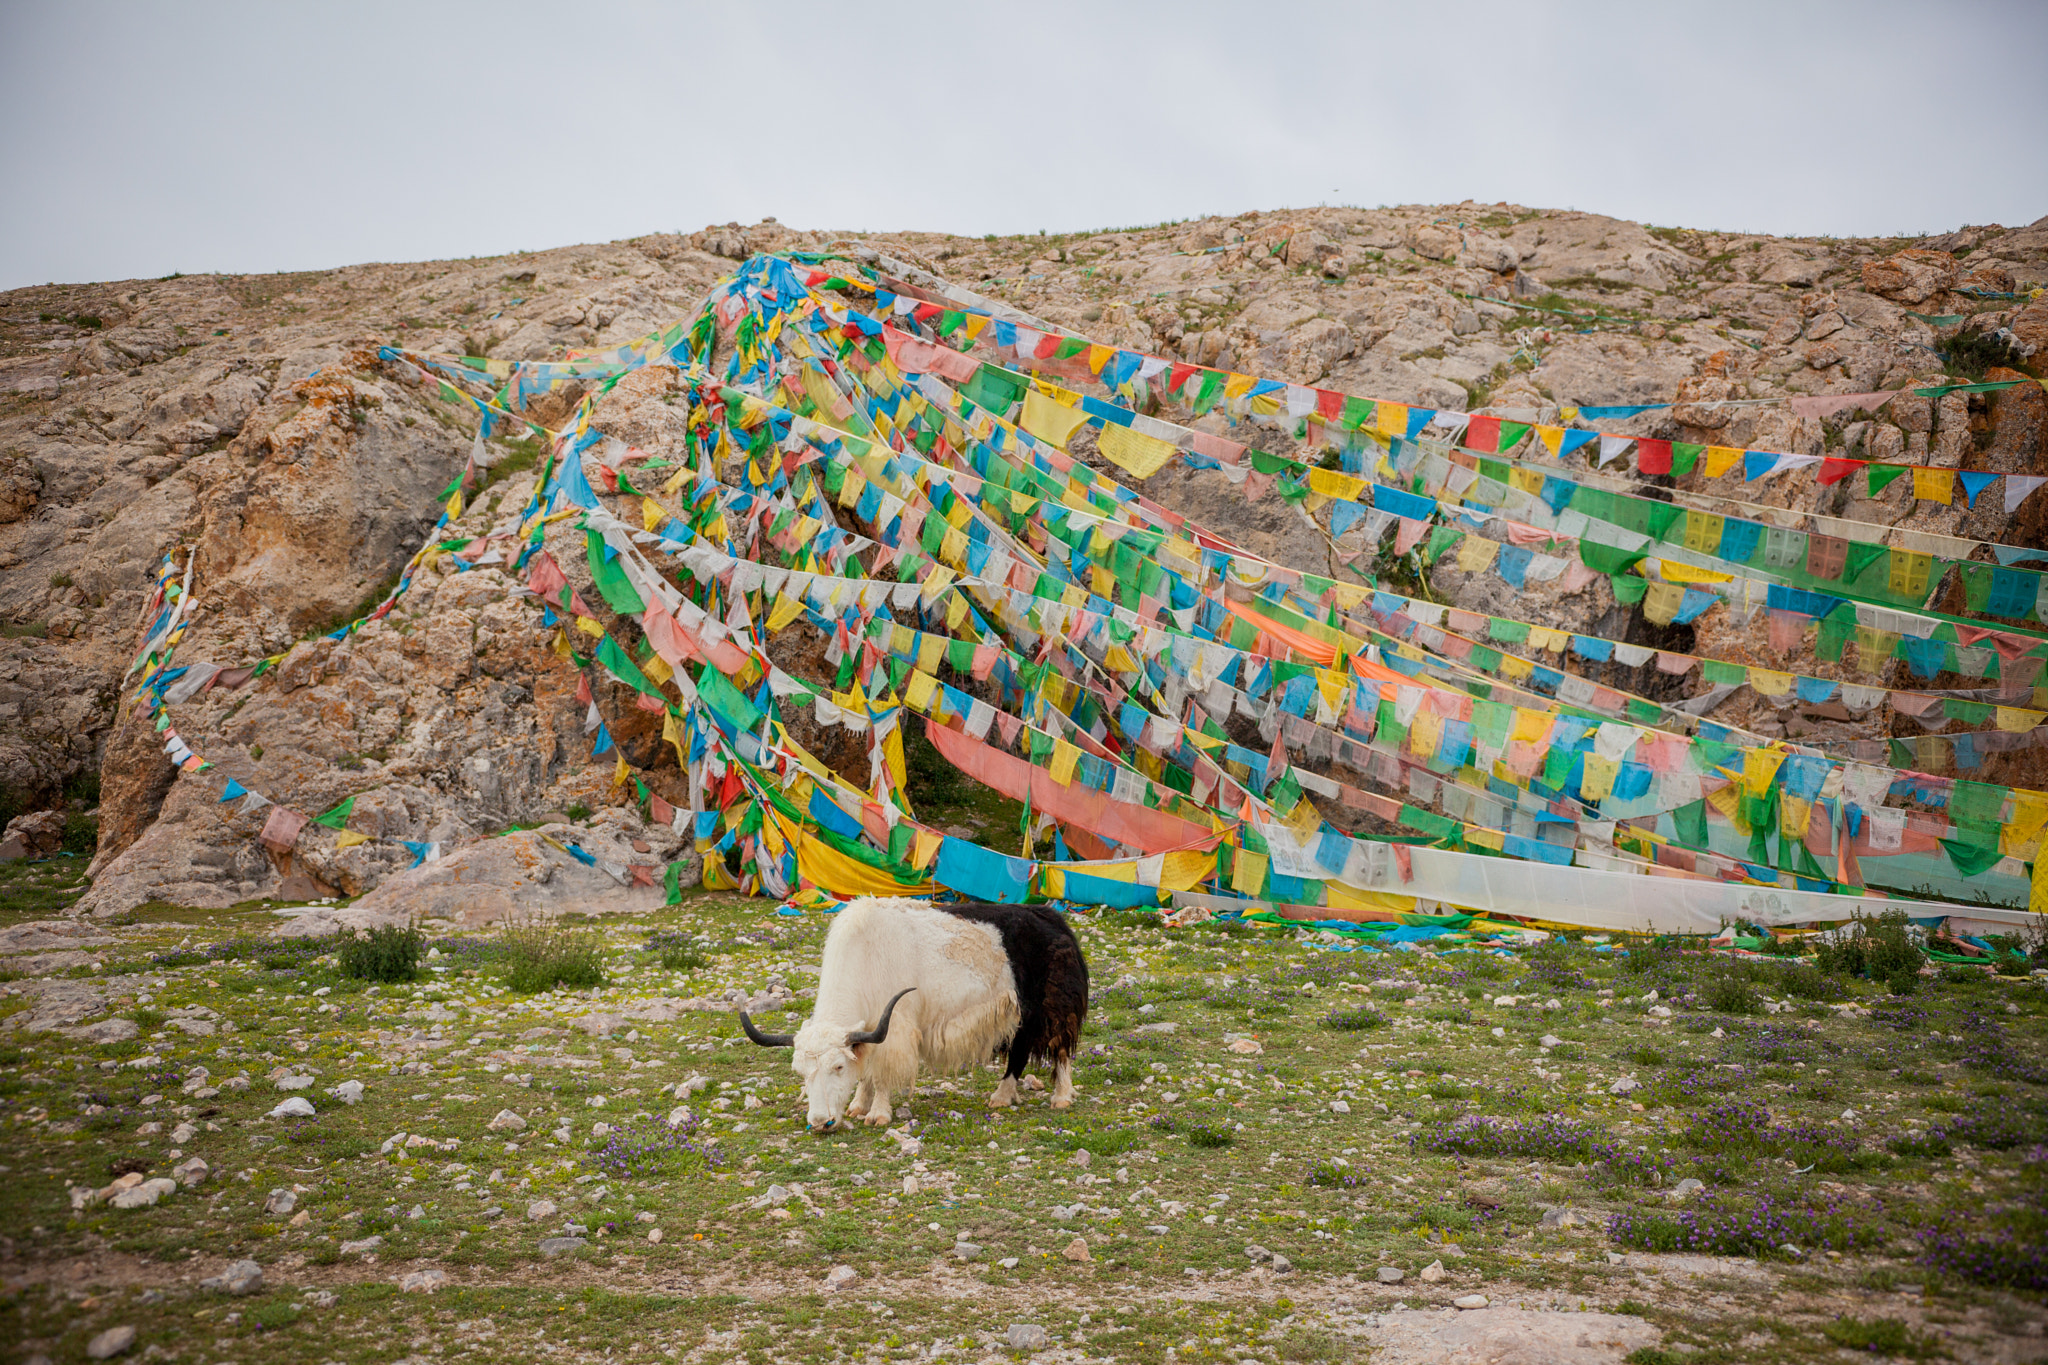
[[144, 138]]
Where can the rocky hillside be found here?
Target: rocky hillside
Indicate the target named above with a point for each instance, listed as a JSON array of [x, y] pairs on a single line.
[[250, 418]]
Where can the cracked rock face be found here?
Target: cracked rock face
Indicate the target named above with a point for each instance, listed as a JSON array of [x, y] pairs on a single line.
[[251, 419]]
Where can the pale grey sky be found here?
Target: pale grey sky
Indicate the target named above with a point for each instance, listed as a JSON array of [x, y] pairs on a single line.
[[144, 138]]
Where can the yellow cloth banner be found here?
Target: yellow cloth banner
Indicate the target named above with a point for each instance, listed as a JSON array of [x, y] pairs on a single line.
[[1142, 455], [1721, 459], [1338, 896], [1934, 485], [785, 610], [1759, 766], [824, 866], [1662, 601], [1769, 683], [1065, 757], [1599, 778], [349, 838], [1050, 420], [1703, 532], [1248, 872], [1675, 572], [1185, 869], [2019, 837], [1475, 552]]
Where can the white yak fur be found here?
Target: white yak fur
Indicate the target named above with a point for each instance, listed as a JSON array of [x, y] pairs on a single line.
[[964, 1005]]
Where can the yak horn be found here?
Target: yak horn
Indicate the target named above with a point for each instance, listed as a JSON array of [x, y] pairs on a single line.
[[766, 1039], [881, 1030]]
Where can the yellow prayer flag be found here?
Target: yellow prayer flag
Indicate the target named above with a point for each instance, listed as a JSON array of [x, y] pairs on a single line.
[[1703, 532], [2020, 836], [657, 668], [1662, 601], [1392, 419], [1599, 777], [1334, 483], [1248, 872], [1759, 766], [923, 687], [1794, 814], [349, 838], [1050, 420], [1064, 759], [935, 582], [1185, 869], [1721, 459], [589, 626], [1475, 552], [1142, 455], [1552, 438], [1934, 485], [2013, 720], [1675, 572], [651, 514], [1768, 683], [1339, 896]]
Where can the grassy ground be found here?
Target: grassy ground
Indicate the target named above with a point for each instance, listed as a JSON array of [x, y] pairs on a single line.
[[1342, 1110]]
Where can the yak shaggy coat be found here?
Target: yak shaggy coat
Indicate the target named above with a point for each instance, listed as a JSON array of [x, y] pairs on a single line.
[[980, 978]]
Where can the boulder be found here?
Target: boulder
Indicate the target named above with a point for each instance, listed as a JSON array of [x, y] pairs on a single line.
[[38, 834], [1913, 276], [241, 1278]]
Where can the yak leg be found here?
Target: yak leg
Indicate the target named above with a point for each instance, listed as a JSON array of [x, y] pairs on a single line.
[[1006, 1094], [880, 1111], [1063, 1083], [862, 1095]]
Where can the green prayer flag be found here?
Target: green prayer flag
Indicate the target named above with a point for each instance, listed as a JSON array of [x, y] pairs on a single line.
[[717, 692], [338, 817], [1881, 475], [611, 580], [1608, 559], [1690, 823], [621, 666], [1969, 859], [1684, 455]]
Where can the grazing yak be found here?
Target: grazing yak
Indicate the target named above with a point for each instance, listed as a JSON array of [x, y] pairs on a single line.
[[944, 986]]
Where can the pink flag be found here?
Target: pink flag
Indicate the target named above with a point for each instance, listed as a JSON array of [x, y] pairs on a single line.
[[281, 830]]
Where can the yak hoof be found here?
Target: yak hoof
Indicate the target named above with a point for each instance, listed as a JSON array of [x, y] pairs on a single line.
[[1006, 1094], [1062, 1101], [878, 1118]]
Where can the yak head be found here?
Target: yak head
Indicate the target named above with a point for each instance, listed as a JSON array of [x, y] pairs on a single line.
[[830, 1059]]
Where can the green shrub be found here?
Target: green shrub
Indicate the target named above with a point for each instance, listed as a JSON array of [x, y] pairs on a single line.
[[387, 953], [541, 955], [1729, 994], [1881, 1336], [81, 834], [1880, 949]]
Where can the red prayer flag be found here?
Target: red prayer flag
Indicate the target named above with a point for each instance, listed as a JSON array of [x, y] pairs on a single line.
[[1483, 434], [1653, 457]]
